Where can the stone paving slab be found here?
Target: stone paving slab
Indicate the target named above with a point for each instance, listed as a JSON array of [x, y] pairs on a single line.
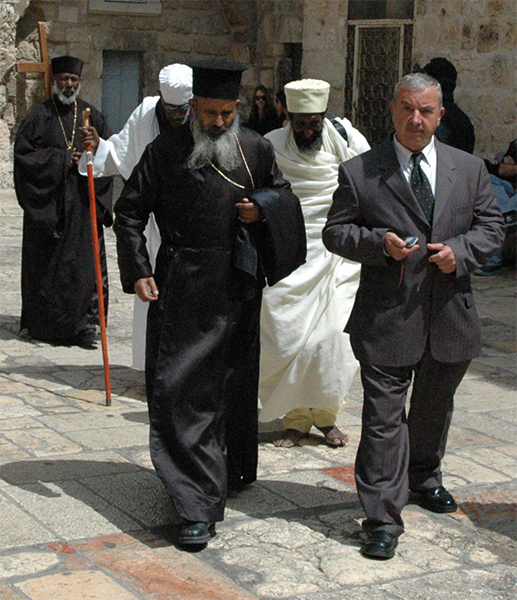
[[83, 515]]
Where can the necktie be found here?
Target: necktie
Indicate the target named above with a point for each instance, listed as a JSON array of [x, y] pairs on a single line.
[[421, 186]]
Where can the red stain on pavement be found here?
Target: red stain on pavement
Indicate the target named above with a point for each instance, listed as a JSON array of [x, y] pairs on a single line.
[[345, 474]]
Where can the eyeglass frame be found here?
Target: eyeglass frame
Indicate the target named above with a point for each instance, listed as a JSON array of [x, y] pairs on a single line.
[[181, 108]]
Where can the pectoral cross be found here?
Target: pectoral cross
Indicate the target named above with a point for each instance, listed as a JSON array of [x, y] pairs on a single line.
[[39, 67]]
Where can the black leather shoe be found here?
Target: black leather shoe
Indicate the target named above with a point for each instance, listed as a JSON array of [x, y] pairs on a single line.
[[437, 500], [380, 544], [192, 533]]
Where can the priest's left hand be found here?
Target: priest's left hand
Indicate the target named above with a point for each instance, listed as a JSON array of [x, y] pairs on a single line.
[[76, 155], [249, 212]]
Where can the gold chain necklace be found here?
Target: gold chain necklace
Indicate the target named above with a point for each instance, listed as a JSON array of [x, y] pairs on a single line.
[[70, 143], [242, 187]]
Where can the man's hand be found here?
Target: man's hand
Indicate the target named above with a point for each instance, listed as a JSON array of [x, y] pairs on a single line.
[[74, 158], [146, 289], [249, 212], [89, 137], [444, 257], [396, 247]]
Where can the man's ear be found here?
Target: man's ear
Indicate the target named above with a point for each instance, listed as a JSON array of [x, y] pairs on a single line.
[[237, 102]]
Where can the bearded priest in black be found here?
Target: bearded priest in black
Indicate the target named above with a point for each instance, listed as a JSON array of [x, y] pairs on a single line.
[[59, 297], [229, 222]]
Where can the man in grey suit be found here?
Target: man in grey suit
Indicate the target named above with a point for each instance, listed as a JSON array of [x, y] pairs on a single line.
[[414, 315]]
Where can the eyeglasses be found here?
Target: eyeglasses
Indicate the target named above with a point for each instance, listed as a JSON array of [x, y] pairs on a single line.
[[260, 98], [179, 108]]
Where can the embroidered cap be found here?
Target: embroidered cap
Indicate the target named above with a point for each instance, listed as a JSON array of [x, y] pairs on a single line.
[[308, 96]]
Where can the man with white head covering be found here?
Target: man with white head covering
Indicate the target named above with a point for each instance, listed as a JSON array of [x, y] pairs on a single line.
[[121, 152], [307, 364]]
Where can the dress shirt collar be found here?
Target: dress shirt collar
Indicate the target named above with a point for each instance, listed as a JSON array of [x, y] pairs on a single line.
[[404, 155]]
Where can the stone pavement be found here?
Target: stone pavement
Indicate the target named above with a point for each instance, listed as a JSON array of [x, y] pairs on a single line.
[[82, 515]]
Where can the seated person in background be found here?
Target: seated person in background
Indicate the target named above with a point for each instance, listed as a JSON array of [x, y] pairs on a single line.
[[503, 175], [263, 116], [455, 128]]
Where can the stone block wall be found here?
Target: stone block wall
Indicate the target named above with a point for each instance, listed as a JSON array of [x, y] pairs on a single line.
[[10, 11], [480, 38]]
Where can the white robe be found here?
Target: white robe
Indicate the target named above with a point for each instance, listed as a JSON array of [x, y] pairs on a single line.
[[120, 154], [306, 359]]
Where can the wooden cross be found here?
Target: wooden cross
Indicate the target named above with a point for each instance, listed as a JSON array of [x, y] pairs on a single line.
[[39, 67]]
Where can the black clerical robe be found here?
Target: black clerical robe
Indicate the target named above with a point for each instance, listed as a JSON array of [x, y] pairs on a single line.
[[202, 353], [59, 297]]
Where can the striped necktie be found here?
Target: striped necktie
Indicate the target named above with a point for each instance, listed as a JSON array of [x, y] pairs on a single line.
[[421, 186]]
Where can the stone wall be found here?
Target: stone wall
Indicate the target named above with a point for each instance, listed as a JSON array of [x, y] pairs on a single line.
[[10, 11], [480, 38], [325, 36]]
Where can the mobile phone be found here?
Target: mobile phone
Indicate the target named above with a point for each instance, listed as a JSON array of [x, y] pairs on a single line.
[[411, 241]]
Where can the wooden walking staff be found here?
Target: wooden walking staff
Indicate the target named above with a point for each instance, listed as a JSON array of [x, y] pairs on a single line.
[[40, 67], [97, 258]]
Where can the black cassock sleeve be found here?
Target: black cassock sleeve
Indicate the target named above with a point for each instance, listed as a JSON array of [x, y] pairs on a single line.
[[283, 247], [131, 215]]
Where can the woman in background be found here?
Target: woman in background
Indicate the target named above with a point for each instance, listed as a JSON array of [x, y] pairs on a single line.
[[263, 116]]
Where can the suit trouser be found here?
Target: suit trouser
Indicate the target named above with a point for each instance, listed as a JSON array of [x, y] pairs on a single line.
[[396, 453]]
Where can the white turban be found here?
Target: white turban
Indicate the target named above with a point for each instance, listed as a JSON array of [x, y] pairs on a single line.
[[176, 84], [307, 96]]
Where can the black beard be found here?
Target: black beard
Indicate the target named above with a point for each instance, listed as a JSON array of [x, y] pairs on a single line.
[[306, 144]]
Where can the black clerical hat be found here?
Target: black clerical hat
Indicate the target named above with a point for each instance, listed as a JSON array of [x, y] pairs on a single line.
[[217, 79], [67, 64]]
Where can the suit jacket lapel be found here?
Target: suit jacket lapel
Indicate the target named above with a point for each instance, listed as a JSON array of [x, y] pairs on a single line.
[[391, 173], [445, 179]]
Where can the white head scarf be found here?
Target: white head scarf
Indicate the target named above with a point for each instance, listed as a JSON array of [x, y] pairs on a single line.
[[176, 84]]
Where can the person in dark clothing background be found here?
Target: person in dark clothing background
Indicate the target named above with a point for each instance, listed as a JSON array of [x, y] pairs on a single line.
[[263, 115], [59, 295], [456, 128], [228, 222]]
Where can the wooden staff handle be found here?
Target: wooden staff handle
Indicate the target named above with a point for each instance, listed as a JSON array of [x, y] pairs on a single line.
[[86, 117]]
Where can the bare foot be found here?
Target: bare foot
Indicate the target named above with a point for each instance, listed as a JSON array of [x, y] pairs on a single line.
[[290, 438], [334, 436]]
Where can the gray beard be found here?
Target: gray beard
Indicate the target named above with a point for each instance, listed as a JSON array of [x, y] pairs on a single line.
[[62, 98], [222, 151]]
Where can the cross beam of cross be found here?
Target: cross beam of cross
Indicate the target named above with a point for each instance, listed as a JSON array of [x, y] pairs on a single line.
[[39, 67]]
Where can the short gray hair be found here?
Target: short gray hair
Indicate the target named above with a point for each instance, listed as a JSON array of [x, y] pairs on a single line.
[[419, 82]]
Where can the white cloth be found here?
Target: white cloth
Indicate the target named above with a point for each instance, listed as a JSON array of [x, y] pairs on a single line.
[[306, 358], [120, 154]]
